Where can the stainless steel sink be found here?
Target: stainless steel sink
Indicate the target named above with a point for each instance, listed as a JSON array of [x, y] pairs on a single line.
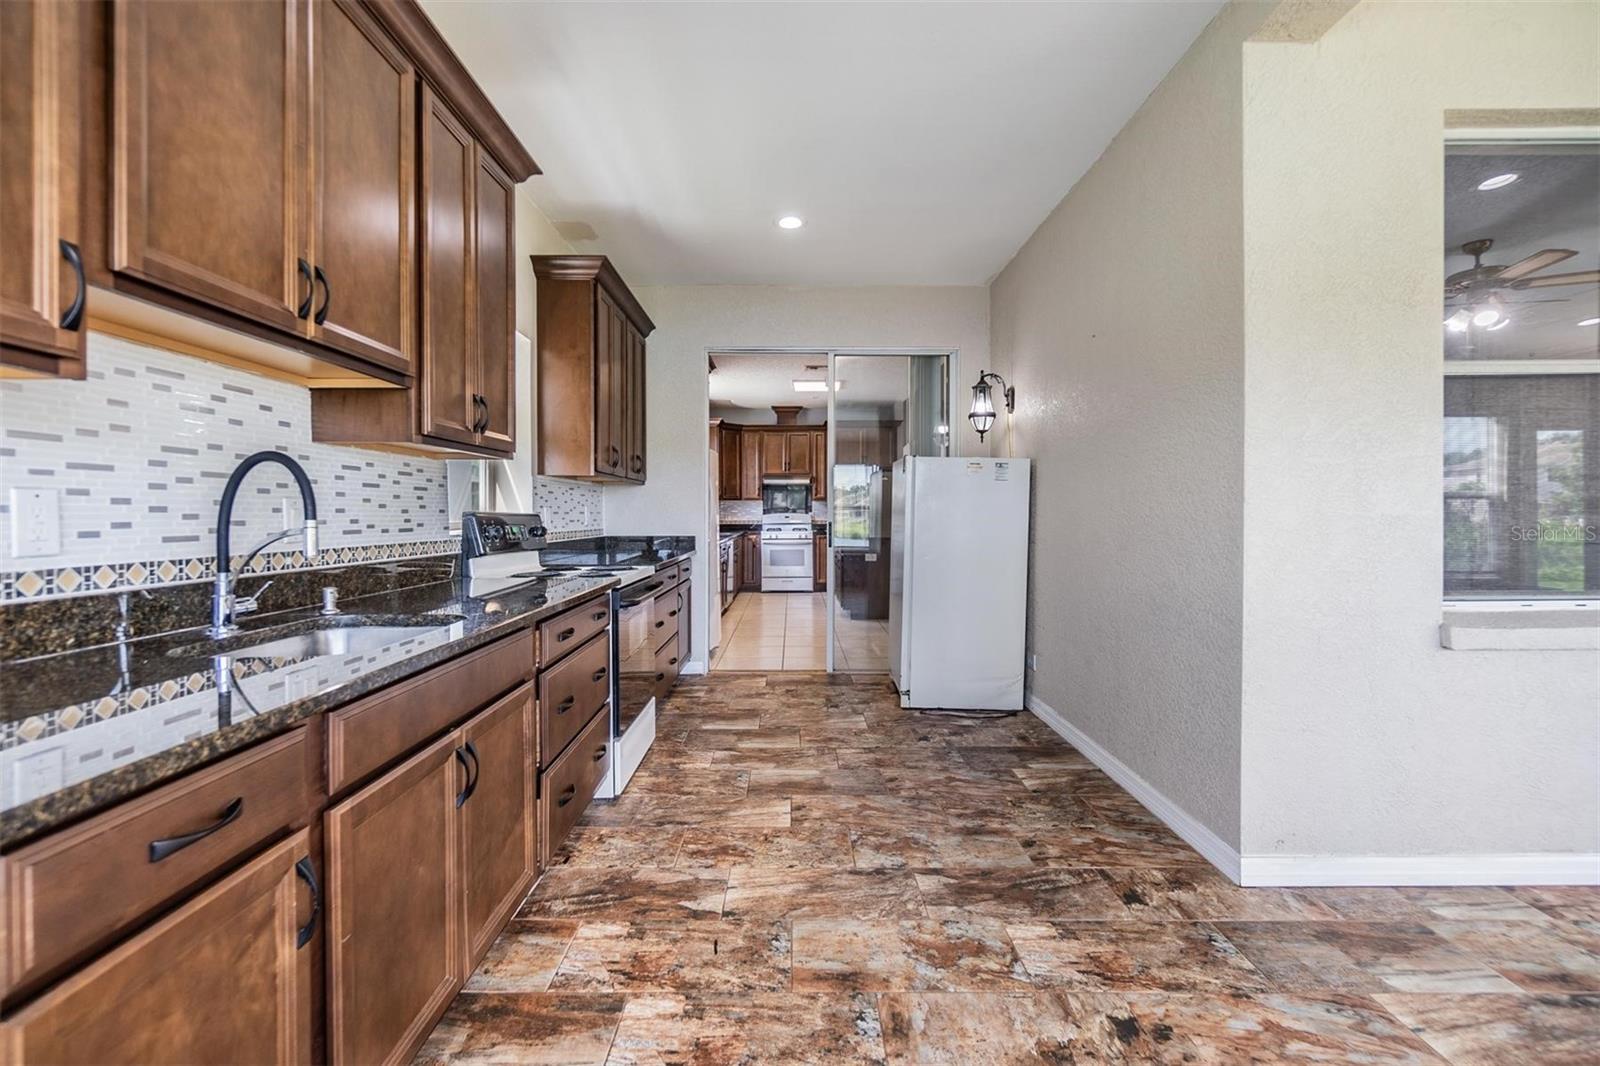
[[346, 635]]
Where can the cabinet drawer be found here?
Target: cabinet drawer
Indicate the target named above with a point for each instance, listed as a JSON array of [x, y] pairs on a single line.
[[567, 630], [75, 890], [666, 613], [667, 667], [569, 694], [568, 786], [375, 731]]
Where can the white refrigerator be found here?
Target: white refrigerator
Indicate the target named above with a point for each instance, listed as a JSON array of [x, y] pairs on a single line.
[[958, 581]]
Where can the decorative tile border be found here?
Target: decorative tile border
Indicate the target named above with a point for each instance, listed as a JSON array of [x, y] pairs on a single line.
[[64, 581]]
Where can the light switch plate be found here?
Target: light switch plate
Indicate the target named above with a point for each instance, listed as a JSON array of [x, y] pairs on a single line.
[[35, 523]]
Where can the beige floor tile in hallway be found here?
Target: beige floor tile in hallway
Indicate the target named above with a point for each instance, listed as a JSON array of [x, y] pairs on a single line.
[[773, 631], [803, 872]]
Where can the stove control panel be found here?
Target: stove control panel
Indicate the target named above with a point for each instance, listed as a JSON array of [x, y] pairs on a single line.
[[489, 533]]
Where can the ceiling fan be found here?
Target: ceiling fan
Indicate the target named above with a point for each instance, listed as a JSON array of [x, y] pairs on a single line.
[[1477, 293]]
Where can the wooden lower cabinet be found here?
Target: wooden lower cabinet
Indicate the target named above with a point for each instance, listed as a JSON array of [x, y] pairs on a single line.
[[570, 782], [499, 832], [394, 907], [750, 578], [224, 978], [425, 866]]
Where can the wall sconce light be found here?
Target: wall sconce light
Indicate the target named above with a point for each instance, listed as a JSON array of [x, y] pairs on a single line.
[[982, 413]]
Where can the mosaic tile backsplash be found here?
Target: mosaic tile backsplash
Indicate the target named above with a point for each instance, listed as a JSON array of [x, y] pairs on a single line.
[[138, 454]]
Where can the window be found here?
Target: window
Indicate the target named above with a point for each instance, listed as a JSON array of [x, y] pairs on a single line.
[[1522, 371]]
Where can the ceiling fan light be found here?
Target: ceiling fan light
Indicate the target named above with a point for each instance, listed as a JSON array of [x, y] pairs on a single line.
[[1499, 181], [1487, 316], [1590, 322], [1457, 323], [1502, 324]]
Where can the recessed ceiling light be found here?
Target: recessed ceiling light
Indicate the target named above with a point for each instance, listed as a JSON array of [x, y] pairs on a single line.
[[1590, 322], [804, 385], [1499, 181], [791, 222]]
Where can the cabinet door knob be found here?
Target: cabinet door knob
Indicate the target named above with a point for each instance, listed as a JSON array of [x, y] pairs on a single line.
[[304, 871], [661, 677], [566, 634], [72, 317], [567, 795], [600, 616], [565, 705], [599, 753], [160, 849], [598, 674]]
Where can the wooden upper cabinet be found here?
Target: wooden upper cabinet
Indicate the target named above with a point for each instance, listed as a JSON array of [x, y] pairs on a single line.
[[223, 978], [363, 203], [499, 828], [819, 464], [208, 157], [449, 407], [42, 286], [496, 299], [728, 461], [395, 907], [591, 371], [774, 456], [797, 451], [749, 464]]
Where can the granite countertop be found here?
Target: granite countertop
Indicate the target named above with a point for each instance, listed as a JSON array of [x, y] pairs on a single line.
[[82, 730]]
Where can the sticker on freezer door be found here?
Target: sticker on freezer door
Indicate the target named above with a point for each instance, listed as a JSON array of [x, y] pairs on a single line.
[[1002, 471]]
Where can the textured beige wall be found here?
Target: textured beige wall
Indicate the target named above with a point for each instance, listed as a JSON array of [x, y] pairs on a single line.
[[1362, 736], [692, 319], [1120, 323]]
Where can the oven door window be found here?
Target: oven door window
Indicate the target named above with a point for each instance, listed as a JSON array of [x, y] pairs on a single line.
[[783, 558], [636, 664]]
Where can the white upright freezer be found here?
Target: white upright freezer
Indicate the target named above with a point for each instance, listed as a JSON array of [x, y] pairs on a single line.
[[958, 581]]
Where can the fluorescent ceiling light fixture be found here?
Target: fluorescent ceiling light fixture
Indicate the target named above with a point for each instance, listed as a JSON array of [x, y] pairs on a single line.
[[1499, 181], [791, 222], [802, 385], [1590, 322]]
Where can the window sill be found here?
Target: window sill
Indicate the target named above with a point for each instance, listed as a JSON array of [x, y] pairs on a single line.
[[1526, 630]]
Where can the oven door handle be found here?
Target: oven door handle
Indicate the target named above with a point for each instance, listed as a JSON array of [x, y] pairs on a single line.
[[644, 594]]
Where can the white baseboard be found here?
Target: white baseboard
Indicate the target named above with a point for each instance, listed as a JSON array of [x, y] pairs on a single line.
[[1305, 871], [1376, 870], [693, 666], [1214, 849]]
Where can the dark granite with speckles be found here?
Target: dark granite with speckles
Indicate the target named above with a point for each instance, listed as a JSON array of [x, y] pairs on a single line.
[[269, 698]]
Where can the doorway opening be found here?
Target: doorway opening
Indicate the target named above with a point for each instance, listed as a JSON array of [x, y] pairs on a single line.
[[802, 447]]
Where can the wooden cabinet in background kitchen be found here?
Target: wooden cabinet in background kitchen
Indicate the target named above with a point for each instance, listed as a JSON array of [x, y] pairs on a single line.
[[591, 371], [797, 451], [227, 975], [750, 577], [42, 285], [749, 464], [819, 563], [819, 464], [774, 454], [728, 461]]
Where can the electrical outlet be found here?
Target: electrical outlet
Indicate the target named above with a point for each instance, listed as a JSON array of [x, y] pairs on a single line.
[[35, 522]]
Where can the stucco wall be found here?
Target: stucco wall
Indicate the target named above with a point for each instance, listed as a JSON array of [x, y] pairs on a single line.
[[1360, 735], [692, 319], [1120, 323]]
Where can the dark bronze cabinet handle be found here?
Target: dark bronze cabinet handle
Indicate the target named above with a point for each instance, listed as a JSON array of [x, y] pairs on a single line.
[[599, 753], [304, 309], [638, 463], [599, 616], [72, 318], [672, 661], [565, 705], [466, 790], [598, 674], [327, 296], [616, 456], [671, 614], [660, 624], [661, 677], [567, 795], [303, 868], [160, 849], [566, 634]]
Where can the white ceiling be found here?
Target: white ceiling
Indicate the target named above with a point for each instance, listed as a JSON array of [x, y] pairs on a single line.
[[921, 142], [760, 381]]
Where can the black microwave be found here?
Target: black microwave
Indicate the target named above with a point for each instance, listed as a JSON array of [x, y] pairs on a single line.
[[787, 495]]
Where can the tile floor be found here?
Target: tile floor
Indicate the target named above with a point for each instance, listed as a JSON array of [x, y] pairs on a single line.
[[770, 631], [802, 872]]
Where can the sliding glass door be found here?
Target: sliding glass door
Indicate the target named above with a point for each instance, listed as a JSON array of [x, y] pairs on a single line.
[[881, 406]]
